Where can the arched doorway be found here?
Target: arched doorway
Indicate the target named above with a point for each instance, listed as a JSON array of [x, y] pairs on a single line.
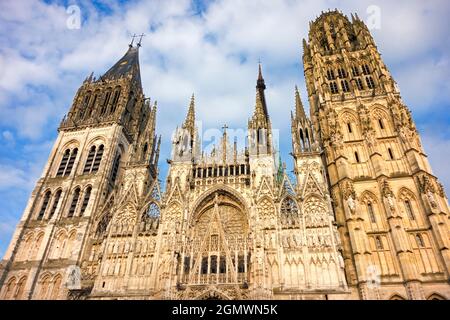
[[216, 247]]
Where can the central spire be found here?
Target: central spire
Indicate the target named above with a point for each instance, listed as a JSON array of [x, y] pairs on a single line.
[[260, 87]]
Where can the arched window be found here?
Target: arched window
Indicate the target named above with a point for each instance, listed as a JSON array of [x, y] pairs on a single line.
[[355, 71], [57, 280], [9, 289], [63, 164], [370, 82], [153, 210], [87, 195], [20, 288], [307, 140], [55, 203], [330, 74], [380, 123], [419, 240], [289, 212], [97, 159], [44, 205], [333, 87], [356, 157], [67, 161], [366, 69], [89, 160], [341, 73], [71, 161], [409, 210], [349, 127], [371, 213], [115, 169], [391, 155], [302, 140], [92, 105], [344, 85], [105, 102], [115, 100], [73, 205], [204, 267], [359, 84]]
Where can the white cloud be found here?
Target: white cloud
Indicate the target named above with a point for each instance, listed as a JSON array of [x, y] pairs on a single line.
[[11, 177]]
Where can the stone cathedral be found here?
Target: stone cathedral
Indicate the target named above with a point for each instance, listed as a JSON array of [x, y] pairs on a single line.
[[362, 218]]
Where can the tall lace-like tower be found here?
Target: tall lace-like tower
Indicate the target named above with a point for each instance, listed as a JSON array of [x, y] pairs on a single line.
[[105, 157], [391, 210]]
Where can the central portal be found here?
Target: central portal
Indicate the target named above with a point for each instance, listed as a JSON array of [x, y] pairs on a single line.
[[216, 247]]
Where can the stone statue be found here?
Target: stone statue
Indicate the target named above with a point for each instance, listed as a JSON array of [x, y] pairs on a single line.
[[431, 199], [73, 278], [351, 204]]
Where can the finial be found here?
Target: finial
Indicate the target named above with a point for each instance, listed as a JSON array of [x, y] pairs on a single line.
[[299, 111], [259, 70], [132, 40], [140, 39]]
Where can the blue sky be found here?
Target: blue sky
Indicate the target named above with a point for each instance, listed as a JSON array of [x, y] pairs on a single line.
[[207, 47]]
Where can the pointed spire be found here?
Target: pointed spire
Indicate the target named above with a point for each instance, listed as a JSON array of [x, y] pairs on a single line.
[[299, 110], [127, 66], [158, 148], [260, 84], [153, 113], [260, 87], [189, 123]]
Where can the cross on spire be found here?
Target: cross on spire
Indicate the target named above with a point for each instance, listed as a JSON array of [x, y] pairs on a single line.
[[140, 39], [132, 39]]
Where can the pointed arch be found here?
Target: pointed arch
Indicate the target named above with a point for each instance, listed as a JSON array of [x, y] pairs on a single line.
[[289, 212], [381, 120], [9, 288], [220, 188], [37, 245], [56, 287], [44, 286], [436, 296], [56, 199], [315, 211], [396, 296], [44, 204], [410, 205], [20, 288], [371, 204], [26, 246]]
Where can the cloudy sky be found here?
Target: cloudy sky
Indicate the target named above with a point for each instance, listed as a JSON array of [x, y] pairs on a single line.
[[207, 47]]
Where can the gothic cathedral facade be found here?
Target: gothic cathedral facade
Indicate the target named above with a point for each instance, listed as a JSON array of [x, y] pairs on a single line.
[[363, 218]]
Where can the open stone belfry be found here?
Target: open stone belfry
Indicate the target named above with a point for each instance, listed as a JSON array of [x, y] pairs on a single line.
[[363, 217]]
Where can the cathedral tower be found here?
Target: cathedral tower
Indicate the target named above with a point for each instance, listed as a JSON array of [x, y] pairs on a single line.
[[109, 130], [391, 210]]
